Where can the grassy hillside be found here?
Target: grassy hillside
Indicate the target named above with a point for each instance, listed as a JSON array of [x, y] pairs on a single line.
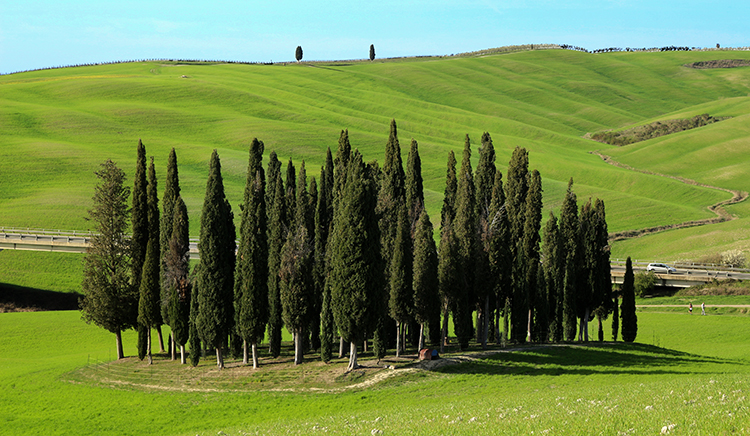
[[56, 126]]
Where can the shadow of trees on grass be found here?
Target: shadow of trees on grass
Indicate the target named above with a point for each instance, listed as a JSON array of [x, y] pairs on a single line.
[[592, 359]]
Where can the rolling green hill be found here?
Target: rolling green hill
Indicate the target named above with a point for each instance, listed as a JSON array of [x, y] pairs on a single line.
[[56, 126]]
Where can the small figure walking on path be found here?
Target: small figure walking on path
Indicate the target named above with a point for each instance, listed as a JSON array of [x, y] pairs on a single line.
[[703, 308], [690, 308]]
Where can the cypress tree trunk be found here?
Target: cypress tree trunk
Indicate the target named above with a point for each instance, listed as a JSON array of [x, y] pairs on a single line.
[[118, 339], [298, 347], [444, 331], [421, 336], [148, 347], [219, 358], [245, 359], [161, 339], [615, 318], [341, 347], [182, 355], [506, 321], [398, 339], [255, 355], [352, 357]]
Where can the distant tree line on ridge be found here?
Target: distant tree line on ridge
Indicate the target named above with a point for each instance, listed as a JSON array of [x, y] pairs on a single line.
[[349, 258]]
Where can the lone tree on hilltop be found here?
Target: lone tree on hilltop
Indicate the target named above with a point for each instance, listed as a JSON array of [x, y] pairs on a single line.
[[372, 52], [298, 53], [109, 300]]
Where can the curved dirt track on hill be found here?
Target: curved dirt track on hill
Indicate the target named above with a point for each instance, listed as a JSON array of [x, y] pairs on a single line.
[[721, 214]]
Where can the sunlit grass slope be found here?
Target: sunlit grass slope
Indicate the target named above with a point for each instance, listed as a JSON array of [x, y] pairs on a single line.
[[56, 126]]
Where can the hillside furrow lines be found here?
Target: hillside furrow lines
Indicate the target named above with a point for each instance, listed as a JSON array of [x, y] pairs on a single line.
[[721, 214]]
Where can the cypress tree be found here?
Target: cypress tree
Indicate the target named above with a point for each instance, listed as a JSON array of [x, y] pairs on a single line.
[[425, 282], [554, 269], [214, 279], [585, 290], [603, 279], [615, 315], [251, 274], [532, 224], [295, 273], [148, 303], [139, 220], [341, 165], [316, 288], [569, 226], [465, 230], [541, 310], [499, 254], [447, 254], [168, 204], [401, 298], [516, 190], [154, 223], [291, 186], [356, 274], [414, 187], [323, 220], [484, 281], [277, 228], [372, 52], [629, 318], [109, 300], [176, 275], [195, 341]]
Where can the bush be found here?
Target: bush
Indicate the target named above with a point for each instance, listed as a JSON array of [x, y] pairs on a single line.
[[734, 258], [645, 283]]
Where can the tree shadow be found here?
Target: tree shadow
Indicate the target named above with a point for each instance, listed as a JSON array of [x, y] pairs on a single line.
[[31, 299], [589, 359]]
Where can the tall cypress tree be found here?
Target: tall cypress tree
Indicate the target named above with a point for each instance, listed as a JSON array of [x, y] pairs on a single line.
[[603, 279], [323, 222], [499, 254], [168, 204], [139, 218], [356, 274], [414, 187], [148, 303], [295, 273], [629, 318], [214, 279], [585, 303], [569, 226], [109, 299], [316, 287], [532, 225], [391, 197], [485, 180], [425, 283], [401, 298], [176, 276], [465, 230], [447, 254], [251, 274], [154, 231], [278, 223], [554, 269], [516, 190]]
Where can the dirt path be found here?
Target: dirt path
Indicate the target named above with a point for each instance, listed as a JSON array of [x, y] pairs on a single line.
[[718, 208]]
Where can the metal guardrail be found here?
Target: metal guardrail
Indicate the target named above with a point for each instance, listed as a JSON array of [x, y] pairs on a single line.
[[685, 265]]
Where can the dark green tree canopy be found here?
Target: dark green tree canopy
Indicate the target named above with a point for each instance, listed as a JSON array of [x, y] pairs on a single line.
[[298, 53], [372, 52]]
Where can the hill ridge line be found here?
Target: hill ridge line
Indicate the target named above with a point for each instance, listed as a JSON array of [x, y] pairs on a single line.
[[721, 214]]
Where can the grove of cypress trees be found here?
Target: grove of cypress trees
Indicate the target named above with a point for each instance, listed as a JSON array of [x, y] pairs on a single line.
[[425, 282], [629, 318], [214, 277], [109, 299], [176, 276], [356, 272], [465, 230], [278, 224], [251, 274]]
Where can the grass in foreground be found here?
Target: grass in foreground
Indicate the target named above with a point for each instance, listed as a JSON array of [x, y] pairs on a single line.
[[689, 372]]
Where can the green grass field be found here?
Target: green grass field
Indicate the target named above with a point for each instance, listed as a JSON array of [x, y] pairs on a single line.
[[58, 125], [688, 371]]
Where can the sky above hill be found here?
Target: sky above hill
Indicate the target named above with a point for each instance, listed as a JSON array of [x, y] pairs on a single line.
[[48, 33]]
